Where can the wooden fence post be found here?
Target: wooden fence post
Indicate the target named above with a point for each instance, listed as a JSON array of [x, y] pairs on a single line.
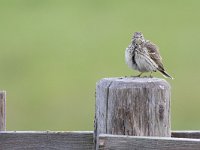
[[2, 110], [132, 106]]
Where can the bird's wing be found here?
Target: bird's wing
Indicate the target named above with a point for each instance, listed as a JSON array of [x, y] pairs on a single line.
[[154, 54]]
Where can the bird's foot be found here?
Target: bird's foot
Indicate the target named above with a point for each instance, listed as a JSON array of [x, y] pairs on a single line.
[[150, 76], [137, 75]]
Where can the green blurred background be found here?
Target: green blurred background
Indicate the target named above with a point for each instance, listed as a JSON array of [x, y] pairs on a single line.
[[52, 53]]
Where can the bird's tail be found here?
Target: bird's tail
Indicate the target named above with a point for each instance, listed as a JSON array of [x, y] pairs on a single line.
[[166, 74]]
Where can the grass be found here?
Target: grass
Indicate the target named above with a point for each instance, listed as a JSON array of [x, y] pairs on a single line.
[[53, 52]]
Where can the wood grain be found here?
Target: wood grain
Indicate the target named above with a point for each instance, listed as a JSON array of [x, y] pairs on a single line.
[[132, 106], [122, 142], [2, 110], [46, 140]]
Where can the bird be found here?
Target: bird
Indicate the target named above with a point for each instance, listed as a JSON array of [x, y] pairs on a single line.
[[144, 56]]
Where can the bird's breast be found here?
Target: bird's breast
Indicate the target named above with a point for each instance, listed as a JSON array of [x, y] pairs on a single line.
[[129, 55]]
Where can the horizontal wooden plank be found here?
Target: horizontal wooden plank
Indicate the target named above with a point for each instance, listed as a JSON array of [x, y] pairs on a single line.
[[186, 134], [122, 142], [83, 140], [31, 140]]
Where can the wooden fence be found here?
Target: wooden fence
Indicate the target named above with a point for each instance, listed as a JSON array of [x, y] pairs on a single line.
[[100, 139]]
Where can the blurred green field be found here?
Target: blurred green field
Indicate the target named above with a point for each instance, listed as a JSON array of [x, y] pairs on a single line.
[[52, 53]]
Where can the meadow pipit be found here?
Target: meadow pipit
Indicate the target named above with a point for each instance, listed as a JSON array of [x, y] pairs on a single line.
[[144, 56]]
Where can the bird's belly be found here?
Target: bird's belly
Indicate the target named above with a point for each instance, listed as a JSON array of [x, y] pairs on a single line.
[[144, 64]]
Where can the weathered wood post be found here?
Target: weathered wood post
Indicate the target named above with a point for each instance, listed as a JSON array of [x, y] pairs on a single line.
[[2, 110], [132, 106]]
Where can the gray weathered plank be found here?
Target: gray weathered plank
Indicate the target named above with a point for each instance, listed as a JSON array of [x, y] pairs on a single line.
[[132, 106], [28, 140], [48, 140], [2, 110], [186, 134], [122, 142]]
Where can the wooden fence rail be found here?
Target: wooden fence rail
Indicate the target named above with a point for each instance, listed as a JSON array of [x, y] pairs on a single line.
[[121, 142], [83, 140], [45, 140]]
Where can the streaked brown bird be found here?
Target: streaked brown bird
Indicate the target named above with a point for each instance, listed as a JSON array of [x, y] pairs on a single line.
[[144, 56]]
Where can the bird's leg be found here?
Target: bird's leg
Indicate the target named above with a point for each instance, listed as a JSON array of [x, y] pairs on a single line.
[[139, 74], [151, 75]]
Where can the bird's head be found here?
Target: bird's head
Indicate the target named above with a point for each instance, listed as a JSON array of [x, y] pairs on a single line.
[[138, 35], [137, 38]]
